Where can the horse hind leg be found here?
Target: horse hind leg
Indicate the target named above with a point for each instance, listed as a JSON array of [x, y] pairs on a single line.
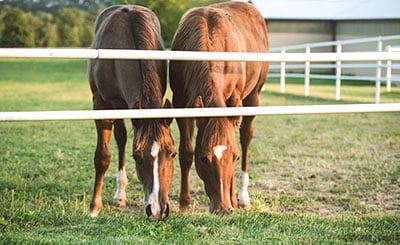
[[102, 159], [122, 180], [246, 134]]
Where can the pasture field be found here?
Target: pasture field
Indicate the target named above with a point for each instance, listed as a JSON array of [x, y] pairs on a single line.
[[330, 179]]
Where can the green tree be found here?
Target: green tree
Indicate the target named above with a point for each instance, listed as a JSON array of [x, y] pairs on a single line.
[[88, 24], [45, 33], [17, 31], [69, 22]]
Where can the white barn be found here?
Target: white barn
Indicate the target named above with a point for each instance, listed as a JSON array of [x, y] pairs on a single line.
[[303, 21], [292, 22]]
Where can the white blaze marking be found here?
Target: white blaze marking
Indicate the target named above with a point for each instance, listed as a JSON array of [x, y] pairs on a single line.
[[218, 150], [122, 182], [153, 198], [221, 186], [244, 198]]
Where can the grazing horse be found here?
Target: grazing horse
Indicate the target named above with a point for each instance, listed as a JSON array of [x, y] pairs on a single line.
[[132, 84], [224, 27]]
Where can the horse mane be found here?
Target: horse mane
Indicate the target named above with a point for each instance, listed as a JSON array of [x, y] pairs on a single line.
[[150, 129], [218, 131], [146, 34], [201, 33]]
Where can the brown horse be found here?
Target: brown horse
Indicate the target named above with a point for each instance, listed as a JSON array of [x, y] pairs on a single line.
[[225, 27], [132, 84]]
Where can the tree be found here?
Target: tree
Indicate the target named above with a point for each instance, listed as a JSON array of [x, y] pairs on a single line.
[[17, 31], [69, 22], [45, 31], [88, 24], [53, 5]]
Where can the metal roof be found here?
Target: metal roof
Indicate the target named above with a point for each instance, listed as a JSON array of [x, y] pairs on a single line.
[[329, 9]]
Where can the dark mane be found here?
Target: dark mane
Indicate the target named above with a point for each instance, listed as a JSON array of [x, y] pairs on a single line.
[[150, 129], [200, 34], [146, 35]]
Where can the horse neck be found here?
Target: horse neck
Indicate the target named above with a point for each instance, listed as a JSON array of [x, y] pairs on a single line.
[[152, 94]]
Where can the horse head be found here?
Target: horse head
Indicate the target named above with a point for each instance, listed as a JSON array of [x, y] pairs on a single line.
[[154, 152], [216, 155]]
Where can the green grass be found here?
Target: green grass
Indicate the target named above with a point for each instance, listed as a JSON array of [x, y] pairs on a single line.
[[313, 179]]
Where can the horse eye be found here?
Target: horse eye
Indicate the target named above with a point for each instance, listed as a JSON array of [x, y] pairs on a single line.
[[173, 155]]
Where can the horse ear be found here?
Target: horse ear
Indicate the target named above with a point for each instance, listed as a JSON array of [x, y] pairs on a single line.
[[235, 121], [198, 103], [234, 101], [137, 105], [168, 105], [136, 122]]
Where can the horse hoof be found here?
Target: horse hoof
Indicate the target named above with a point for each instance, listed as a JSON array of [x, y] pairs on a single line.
[[244, 203], [120, 203], [184, 209], [93, 214]]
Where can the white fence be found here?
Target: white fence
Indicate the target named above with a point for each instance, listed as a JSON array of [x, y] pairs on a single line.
[[281, 70], [196, 112], [180, 55]]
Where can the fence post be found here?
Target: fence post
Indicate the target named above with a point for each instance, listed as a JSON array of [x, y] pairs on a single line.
[[378, 73], [389, 72], [283, 73], [338, 71], [307, 74]]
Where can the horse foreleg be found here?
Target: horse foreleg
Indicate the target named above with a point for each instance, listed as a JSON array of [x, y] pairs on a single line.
[[246, 134], [186, 152], [102, 158], [122, 180]]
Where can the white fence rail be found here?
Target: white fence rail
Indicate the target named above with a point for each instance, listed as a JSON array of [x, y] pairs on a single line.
[[193, 55], [176, 55], [338, 66], [196, 112]]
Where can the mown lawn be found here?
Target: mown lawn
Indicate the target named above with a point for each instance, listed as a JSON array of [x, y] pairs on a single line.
[[313, 179]]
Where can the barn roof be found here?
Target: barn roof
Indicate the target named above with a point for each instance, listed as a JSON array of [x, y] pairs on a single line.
[[329, 9]]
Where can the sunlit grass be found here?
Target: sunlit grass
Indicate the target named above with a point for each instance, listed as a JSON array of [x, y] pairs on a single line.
[[351, 91], [313, 179]]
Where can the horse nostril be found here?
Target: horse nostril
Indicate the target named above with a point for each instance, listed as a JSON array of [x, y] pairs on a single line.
[[148, 211], [165, 211]]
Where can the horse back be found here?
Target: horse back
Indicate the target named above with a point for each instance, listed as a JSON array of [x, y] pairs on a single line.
[[224, 27], [252, 34], [122, 83]]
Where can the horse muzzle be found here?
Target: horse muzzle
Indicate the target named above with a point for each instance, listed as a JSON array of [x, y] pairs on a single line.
[[157, 214], [219, 209], [222, 212]]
